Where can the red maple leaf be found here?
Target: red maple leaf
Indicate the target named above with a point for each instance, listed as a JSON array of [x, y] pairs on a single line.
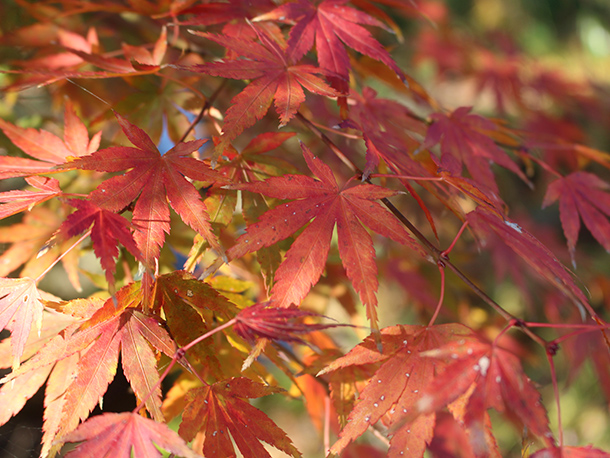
[[260, 321], [395, 388], [465, 140], [580, 196], [120, 329], [44, 146], [330, 24], [500, 74], [154, 180], [499, 383], [274, 77], [123, 435], [108, 230], [220, 412], [348, 208], [138, 60]]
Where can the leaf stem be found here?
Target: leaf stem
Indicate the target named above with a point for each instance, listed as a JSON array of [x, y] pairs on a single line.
[[61, 256], [578, 332], [441, 269], [446, 252], [549, 357], [180, 353], [228, 324], [206, 106]]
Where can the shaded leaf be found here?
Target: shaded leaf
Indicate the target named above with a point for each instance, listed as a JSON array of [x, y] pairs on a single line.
[[581, 196], [108, 230], [464, 139], [193, 308], [529, 248], [262, 321], [220, 412]]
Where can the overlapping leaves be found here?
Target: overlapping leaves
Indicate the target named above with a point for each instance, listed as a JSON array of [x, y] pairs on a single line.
[[349, 208], [274, 77]]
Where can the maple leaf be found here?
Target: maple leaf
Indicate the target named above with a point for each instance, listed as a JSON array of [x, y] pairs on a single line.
[[52, 324], [193, 308], [17, 201], [502, 75], [138, 60], [46, 147], [330, 24], [154, 179], [124, 435], [260, 321], [111, 330], [452, 438], [236, 16], [499, 383], [54, 60], [348, 208], [220, 413], [108, 229], [14, 395], [120, 329], [274, 77], [387, 127], [580, 196], [465, 140], [20, 306], [394, 390], [58, 373]]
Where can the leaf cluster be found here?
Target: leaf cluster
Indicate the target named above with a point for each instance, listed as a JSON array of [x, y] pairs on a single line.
[[226, 231]]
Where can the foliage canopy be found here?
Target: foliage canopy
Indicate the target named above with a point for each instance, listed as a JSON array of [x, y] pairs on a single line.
[[223, 232]]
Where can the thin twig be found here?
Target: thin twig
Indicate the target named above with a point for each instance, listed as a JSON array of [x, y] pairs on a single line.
[[206, 107]]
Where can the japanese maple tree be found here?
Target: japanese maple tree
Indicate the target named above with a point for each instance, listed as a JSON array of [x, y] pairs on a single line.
[[385, 254]]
